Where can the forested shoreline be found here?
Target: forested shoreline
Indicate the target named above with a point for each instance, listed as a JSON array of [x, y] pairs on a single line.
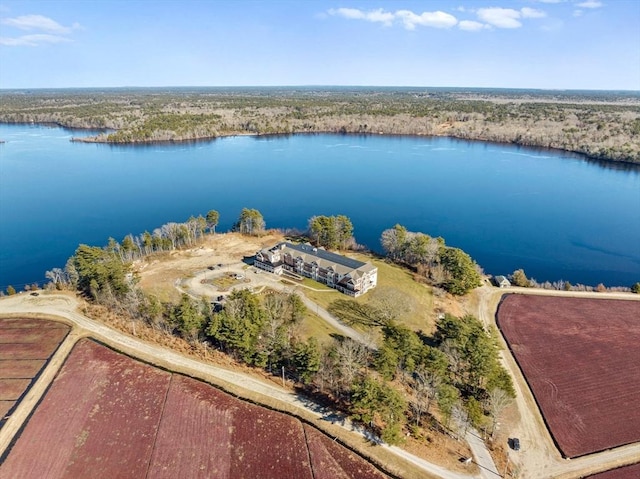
[[601, 125]]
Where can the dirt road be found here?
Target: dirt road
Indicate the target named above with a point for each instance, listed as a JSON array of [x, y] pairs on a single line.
[[256, 280], [538, 457]]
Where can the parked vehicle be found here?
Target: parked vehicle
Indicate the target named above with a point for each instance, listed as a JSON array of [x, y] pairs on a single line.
[[514, 443]]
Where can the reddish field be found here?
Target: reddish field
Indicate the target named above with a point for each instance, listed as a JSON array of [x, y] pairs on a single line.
[[25, 347], [332, 461], [129, 419], [627, 472], [580, 358]]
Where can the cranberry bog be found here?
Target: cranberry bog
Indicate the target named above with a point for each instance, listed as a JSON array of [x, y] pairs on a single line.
[[108, 415], [626, 472], [25, 347], [580, 357]]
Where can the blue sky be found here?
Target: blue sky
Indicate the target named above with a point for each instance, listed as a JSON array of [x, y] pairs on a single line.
[[563, 44]]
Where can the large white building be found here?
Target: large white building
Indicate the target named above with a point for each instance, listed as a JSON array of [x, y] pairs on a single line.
[[347, 275]]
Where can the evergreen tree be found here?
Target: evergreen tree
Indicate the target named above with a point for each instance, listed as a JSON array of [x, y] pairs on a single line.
[[462, 271], [213, 217]]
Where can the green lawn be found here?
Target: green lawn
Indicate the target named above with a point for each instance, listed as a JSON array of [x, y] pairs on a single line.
[[392, 276], [314, 326]]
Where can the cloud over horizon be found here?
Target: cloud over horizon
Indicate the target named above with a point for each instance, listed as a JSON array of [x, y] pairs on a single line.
[[507, 17], [407, 18], [48, 31], [487, 18]]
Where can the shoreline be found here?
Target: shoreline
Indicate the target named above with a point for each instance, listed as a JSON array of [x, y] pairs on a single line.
[[204, 139]]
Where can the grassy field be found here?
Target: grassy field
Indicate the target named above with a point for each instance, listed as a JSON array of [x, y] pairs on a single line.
[[422, 316], [316, 327]]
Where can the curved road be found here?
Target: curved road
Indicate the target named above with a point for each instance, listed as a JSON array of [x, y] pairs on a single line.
[[196, 288]]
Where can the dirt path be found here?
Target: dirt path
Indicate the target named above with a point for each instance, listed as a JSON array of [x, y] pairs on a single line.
[[64, 306], [256, 280], [538, 457], [483, 459]]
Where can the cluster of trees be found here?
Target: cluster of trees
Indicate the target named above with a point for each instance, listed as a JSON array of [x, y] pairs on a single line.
[[95, 271], [451, 268], [161, 126], [259, 331], [250, 222], [331, 232], [602, 126], [457, 369]]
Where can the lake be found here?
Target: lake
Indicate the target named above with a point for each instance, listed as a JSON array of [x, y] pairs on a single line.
[[555, 214]]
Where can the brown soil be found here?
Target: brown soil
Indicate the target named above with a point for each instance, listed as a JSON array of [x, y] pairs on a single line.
[[107, 430], [441, 449], [159, 275], [329, 460], [12, 389]]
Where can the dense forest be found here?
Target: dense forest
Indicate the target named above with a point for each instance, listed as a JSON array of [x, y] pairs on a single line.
[[602, 125]]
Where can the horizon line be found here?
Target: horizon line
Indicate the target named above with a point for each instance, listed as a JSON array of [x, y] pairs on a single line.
[[319, 86]]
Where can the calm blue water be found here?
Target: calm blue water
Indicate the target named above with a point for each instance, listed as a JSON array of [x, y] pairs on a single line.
[[553, 214]]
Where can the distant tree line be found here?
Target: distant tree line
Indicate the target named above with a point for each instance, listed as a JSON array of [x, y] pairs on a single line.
[[519, 278], [603, 126]]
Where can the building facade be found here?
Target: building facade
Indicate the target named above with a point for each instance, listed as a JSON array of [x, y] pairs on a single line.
[[349, 276]]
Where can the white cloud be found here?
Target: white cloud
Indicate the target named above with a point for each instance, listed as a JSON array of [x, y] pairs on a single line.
[[46, 30], [32, 40], [472, 26], [378, 16], [500, 17], [407, 18], [487, 17], [578, 13], [426, 19], [36, 22], [590, 4], [507, 17], [532, 13]]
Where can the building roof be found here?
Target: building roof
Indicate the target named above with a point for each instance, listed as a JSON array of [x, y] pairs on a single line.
[[326, 255], [325, 259]]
